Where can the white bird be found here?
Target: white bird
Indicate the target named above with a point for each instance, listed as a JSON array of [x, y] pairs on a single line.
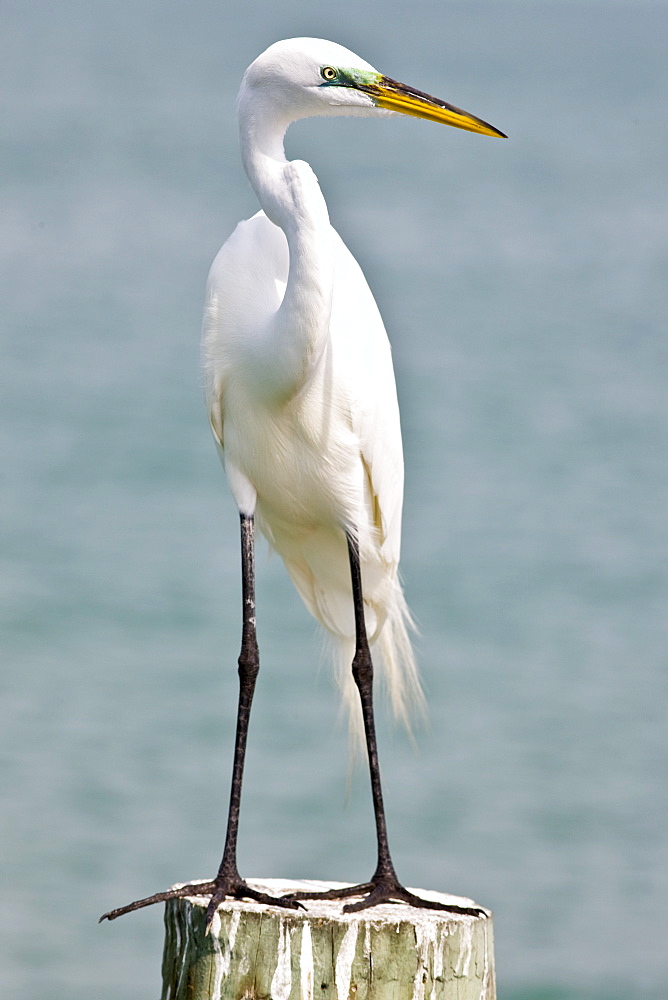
[[302, 402]]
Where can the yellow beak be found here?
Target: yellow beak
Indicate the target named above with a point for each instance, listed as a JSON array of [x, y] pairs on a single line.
[[394, 96]]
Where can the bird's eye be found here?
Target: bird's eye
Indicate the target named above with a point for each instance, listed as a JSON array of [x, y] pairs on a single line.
[[328, 73]]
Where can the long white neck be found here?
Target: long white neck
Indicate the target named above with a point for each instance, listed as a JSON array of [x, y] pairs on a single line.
[[291, 198]]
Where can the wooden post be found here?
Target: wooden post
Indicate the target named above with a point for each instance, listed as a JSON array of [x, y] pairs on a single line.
[[388, 952]]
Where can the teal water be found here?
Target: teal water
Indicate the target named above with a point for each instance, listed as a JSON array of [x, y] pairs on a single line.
[[523, 287]]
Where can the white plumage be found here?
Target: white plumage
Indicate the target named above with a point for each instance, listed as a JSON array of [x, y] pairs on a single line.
[[298, 370], [310, 438]]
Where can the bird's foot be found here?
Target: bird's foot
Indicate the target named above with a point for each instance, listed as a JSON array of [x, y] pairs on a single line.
[[220, 889], [385, 889]]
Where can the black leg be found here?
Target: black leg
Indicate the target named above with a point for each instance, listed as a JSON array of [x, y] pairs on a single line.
[[228, 881], [384, 886], [363, 675]]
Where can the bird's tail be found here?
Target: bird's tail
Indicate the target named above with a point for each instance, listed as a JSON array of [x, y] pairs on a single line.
[[394, 661]]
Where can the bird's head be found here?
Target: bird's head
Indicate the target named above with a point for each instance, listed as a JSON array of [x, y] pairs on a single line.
[[303, 77]]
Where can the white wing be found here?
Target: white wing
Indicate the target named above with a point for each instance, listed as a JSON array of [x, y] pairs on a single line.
[[358, 333]]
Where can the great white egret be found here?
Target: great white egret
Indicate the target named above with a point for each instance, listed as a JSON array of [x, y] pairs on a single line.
[[302, 402]]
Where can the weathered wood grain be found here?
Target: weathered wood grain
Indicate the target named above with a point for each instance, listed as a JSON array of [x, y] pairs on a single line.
[[390, 952]]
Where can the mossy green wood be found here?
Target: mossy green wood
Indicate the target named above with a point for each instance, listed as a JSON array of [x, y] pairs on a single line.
[[390, 952]]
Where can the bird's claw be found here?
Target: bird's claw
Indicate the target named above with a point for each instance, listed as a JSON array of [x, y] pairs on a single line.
[[386, 890], [219, 890]]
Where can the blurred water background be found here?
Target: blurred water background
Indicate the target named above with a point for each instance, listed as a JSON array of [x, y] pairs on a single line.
[[523, 287]]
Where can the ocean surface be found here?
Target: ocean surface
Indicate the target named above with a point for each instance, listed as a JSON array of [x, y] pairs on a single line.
[[523, 285]]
